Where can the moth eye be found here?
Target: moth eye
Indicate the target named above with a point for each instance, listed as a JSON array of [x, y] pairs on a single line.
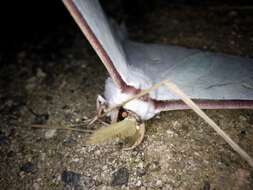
[[124, 114]]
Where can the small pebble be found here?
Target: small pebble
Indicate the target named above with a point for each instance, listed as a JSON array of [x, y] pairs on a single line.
[[170, 133], [97, 152], [141, 172], [68, 141], [28, 167], [159, 183], [104, 168], [242, 118], [43, 156], [120, 177], [139, 183], [140, 165], [50, 133], [75, 159], [40, 119]]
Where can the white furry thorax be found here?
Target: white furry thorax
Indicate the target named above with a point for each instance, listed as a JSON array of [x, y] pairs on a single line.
[[114, 96]]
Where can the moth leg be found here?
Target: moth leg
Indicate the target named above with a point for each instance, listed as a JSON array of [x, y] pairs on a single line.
[[114, 115], [101, 106], [141, 134], [101, 109]]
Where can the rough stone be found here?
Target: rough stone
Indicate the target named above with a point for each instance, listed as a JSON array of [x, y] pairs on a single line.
[[71, 178], [120, 177], [28, 167]]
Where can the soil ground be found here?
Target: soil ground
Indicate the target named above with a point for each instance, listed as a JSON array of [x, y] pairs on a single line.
[[55, 83]]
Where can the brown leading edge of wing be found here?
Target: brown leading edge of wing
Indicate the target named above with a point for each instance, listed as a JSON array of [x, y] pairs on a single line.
[[81, 22], [120, 83]]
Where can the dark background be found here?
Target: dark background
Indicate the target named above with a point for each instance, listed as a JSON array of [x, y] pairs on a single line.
[[25, 22]]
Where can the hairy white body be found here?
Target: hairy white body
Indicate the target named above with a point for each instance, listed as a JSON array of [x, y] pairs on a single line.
[[114, 96]]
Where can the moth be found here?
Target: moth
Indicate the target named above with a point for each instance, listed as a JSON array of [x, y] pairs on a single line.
[[141, 74]]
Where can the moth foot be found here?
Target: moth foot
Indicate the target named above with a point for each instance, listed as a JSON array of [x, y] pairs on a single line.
[[101, 106]]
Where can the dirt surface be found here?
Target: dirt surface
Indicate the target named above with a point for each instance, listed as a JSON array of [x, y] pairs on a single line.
[[55, 83]]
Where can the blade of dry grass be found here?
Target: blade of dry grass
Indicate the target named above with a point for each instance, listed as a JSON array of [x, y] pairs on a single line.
[[61, 128], [174, 89]]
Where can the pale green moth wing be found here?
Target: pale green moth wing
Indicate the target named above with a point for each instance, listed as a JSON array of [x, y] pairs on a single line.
[[123, 129]]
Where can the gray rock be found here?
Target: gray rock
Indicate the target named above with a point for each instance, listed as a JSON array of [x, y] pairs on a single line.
[[40, 119], [28, 167], [71, 178], [120, 177]]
